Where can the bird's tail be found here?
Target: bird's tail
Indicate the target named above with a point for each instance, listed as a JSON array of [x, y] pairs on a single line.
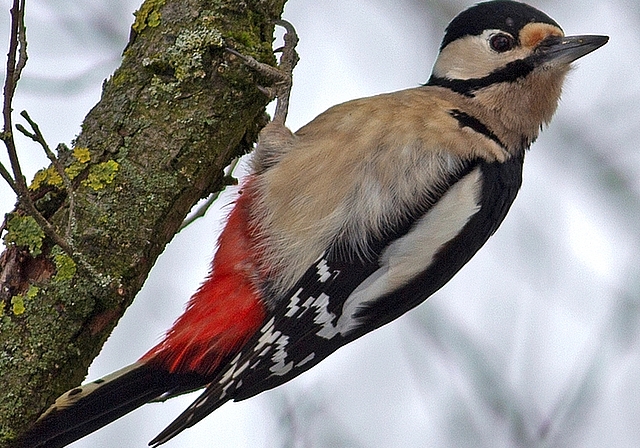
[[89, 407]]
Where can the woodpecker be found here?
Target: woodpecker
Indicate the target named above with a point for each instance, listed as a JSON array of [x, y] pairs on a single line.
[[348, 223]]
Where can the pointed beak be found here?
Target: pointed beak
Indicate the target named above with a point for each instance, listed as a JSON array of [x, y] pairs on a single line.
[[565, 50]]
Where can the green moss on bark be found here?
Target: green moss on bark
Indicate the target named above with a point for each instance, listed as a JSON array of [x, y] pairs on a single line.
[[170, 119]]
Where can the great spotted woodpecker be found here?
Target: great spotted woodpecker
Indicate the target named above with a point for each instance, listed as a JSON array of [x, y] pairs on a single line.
[[350, 222]]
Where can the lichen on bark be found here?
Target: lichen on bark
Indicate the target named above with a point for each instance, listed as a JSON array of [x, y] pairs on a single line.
[[171, 117]]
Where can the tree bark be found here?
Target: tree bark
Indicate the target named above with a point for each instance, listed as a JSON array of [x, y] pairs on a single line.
[[171, 117]]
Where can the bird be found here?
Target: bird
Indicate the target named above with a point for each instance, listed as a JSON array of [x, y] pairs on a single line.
[[348, 223]]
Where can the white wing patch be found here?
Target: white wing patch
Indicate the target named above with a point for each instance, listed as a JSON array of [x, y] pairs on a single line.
[[323, 271], [410, 255], [401, 261]]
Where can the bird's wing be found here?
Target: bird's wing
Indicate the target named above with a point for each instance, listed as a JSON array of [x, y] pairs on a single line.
[[340, 298]]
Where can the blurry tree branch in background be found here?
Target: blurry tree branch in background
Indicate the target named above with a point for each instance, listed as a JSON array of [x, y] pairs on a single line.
[[170, 119]]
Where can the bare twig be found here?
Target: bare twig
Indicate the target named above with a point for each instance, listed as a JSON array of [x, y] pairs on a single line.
[[16, 60], [37, 137], [7, 177], [202, 210]]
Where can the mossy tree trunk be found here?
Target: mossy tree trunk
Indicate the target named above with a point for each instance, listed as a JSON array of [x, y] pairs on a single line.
[[171, 118]]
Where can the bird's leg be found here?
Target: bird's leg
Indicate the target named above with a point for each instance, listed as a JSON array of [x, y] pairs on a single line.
[[281, 76]]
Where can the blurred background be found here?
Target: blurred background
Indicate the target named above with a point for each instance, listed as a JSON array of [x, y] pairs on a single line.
[[535, 343]]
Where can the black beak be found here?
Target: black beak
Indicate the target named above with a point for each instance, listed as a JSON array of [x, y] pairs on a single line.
[[565, 50]]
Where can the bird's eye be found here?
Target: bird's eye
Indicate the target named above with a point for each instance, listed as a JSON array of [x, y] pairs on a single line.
[[501, 43]]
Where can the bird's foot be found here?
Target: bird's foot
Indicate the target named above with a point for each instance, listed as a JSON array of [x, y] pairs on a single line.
[[281, 76]]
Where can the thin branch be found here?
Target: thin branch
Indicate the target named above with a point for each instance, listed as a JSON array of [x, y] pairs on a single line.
[[48, 229], [37, 137], [16, 60], [22, 38], [202, 210], [7, 177]]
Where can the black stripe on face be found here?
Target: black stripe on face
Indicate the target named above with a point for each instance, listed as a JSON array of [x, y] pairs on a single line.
[[469, 121], [511, 72]]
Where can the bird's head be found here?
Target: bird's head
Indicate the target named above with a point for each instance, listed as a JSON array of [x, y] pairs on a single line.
[[511, 57]]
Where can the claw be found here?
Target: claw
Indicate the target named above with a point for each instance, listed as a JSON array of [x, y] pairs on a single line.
[[282, 75], [269, 92]]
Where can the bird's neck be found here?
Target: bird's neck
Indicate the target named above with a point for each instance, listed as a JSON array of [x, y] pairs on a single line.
[[522, 107]]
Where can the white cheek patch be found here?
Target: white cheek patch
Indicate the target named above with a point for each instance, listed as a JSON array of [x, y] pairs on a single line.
[[471, 57], [410, 255]]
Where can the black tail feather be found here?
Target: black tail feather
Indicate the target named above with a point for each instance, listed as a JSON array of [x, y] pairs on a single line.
[[204, 405], [78, 413]]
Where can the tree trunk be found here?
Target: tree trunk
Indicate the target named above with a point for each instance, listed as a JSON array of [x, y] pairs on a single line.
[[172, 116]]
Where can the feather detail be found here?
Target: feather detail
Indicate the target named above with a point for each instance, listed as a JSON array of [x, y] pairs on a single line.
[[91, 406], [225, 311]]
